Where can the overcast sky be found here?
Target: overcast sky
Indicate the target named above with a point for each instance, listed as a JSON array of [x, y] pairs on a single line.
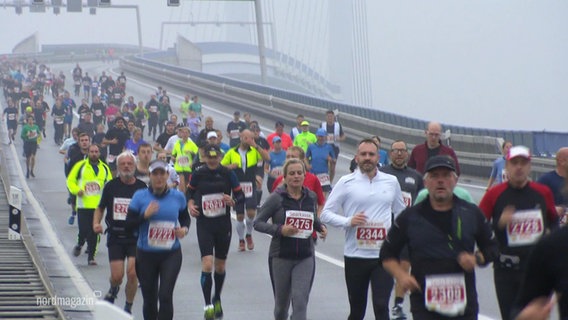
[[483, 63]]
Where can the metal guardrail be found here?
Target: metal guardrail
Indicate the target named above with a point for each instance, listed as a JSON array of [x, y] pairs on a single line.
[[476, 161]]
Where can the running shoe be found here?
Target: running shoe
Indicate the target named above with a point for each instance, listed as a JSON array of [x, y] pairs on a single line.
[[241, 245], [397, 313], [93, 263], [209, 312], [71, 219], [250, 244], [32, 174], [128, 308], [110, 296], [77, 250], [218, 309]]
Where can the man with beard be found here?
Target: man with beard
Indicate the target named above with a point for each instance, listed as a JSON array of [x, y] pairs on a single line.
[[364, 203], [98, 109], [121, 243], [142, 171], [86, 180]]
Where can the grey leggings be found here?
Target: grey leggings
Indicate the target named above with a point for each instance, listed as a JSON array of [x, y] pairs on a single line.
[[291, 281]]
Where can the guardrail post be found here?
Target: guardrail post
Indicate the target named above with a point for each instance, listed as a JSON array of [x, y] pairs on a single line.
[[15, 219]]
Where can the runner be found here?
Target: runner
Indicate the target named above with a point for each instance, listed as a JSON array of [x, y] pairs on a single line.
[[196, 106], [30, 134], [121, 243], [58, 114], [142, 171], [69, 105], [262, 144], [140, 116], [10, 115], [277, 159], [243, 159], [115, 138], [83, 109], [155, 213], [163, 138], [234, 129], [334, 134], [441, 234], [498, 172], [369, 201], [320, 155], [556, 181], [87, 125], [521, 211], [297, 129], [164, 110], [305, 138], [87, 82], [284, 137], [202, 139], [209, 194], [136, 141], [291, 261], [152, 107], [86, 180], [184, 108], [410, 182], [98, 109], [183, 152], [77, 152], [193, 122], [432, 147]]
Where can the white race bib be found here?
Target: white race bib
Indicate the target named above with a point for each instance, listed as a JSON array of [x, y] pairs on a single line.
[[32, 134], [12, 116], [303, 221], [120, 208], [247, 189], [371, 235], [234, 134], [407, 197], [330, 138], [445, 294], [144, 122], [525, 228], [92, 188], [98, 113], [213, 205], [183, 161], [110, 158], [58, 120], [153, 109], [324, 179], [161, 234]]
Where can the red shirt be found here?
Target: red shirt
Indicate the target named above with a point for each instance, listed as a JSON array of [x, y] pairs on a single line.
[[311, 182], [286, 140]]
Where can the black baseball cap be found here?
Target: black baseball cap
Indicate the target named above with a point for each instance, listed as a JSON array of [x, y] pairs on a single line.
[[212, 150], [440, 162]]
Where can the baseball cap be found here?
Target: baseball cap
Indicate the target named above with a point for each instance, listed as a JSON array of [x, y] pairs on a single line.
[[276, 139], [158, 164], [304, 123], [440, 162], [169, 122], [211, 134], [212, 150], [321, 132], [519, 151]]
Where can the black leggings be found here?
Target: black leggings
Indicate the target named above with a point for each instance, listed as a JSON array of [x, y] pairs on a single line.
[[507, 285], [86, 233], [157, 273], [358, 273], [152, 127]]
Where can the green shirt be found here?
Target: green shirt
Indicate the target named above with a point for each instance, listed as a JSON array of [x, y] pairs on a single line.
[[163, 111], [304, 139], [30, 133], [195, 107], [184, 109], [458, 191]]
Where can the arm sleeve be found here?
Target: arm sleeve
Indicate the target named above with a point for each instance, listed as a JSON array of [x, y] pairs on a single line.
[[134, 217], [333, 205], [183, 216], [485, 238], [192, 186], [266, 211], [486, 204], [396, 238]]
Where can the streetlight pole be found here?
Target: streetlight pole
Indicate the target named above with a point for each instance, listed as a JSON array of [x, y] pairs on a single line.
[[261, 45]]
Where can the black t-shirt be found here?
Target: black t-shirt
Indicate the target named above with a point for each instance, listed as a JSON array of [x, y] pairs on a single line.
[[88, 128], [82, 111], [163, 138], [409, 179], [98, 110], [122, 135], [233, 129], [142, 176], [115, 199], [205, 181], [11, 113]]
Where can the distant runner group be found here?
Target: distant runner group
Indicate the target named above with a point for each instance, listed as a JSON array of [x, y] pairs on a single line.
[[407, 224]]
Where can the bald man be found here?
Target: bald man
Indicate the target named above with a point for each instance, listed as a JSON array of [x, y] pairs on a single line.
[[556, 180], [432, 147]]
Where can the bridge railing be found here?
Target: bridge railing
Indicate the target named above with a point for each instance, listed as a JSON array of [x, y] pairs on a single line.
[[476, 153]]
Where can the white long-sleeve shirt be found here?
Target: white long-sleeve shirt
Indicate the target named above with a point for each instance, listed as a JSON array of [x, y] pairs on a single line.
[[380, 199]]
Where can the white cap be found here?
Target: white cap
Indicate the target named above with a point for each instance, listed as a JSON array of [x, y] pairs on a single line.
[[519, 151], [211, 134]]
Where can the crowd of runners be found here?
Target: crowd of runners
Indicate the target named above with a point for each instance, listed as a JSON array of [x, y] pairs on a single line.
[[149, 168]]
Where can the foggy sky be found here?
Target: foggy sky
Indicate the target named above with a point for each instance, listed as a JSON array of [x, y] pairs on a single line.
[[485, 63]]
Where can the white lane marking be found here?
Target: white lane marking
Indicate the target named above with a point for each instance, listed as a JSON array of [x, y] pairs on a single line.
[[75, 275]]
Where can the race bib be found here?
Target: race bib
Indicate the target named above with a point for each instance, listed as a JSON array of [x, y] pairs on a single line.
[[92, 188], [32, 134], [161, 234], [247, 189], [153, 109], [213, 205], [86, 83], [117, 96], [371, 235], [183, 161], [98, 113], [330, 138], [12, 116], [276, 172], [234, 134], [303, 221], [58, 120], [144, 122], [110, 158], [407, 197], [525, 228], [120, 208], [324, 179], [445, 294], [122, 81]]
